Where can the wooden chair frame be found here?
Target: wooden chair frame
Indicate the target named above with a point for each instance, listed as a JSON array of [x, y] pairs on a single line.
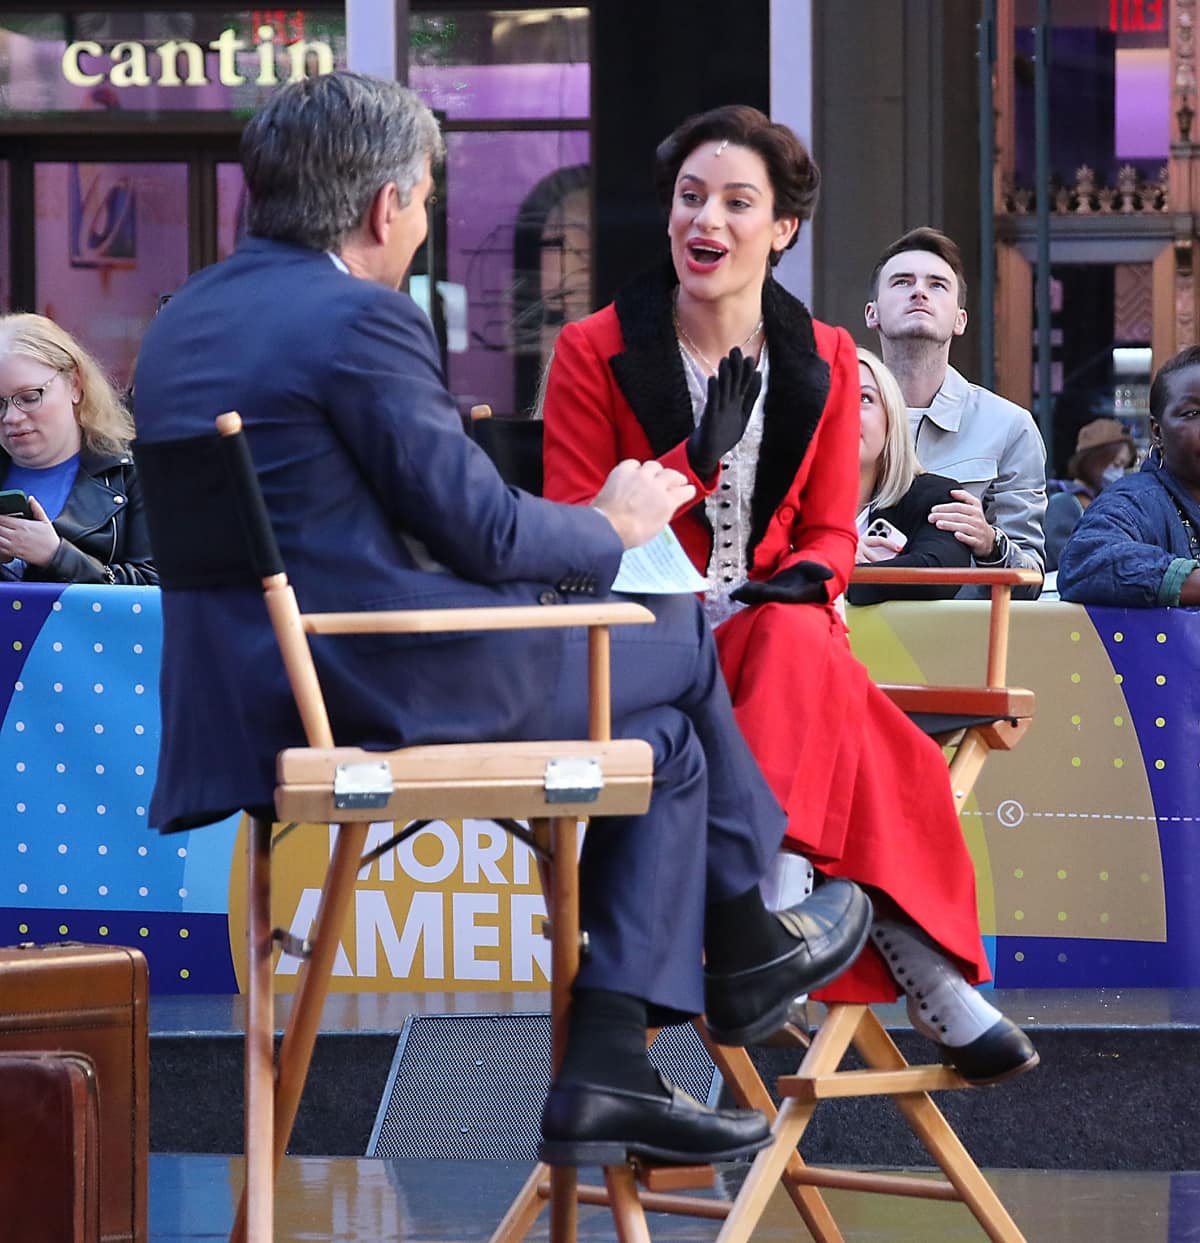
[[994, 717], [505, 781]]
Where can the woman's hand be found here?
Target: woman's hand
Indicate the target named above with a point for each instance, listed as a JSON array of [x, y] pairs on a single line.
[[33, 540], [732, 393], [1189, 593], [875, 548], [802, 583]]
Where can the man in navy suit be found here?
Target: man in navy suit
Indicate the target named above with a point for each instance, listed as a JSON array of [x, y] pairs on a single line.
[[380, 501]]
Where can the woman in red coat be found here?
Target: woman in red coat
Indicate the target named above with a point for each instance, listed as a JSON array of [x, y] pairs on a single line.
[[770, 438]]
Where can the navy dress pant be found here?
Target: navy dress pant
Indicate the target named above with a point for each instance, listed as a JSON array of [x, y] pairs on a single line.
[[713, 826]]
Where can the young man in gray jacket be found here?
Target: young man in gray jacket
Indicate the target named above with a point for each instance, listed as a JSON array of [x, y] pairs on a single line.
[[991, 446]]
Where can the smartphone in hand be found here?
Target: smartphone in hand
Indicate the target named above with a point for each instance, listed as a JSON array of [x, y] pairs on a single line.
[[15, 504], [881, 528]]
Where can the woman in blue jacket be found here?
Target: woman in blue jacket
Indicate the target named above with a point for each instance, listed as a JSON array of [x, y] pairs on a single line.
[[1138, 544]]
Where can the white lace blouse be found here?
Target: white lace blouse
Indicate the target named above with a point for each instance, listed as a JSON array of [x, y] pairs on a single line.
[[728, 508]]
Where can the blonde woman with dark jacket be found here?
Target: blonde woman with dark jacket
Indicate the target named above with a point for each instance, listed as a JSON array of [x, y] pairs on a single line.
[[74, 510]]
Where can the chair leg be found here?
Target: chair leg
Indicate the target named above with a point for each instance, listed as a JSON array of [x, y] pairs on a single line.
[[748, 1089], [260, 1037], [295, 1053], [823, 1057], [525, 1209], [562, 903], [628, 1215], [560, 885], [965, 767], [939, 1138], [564, 1204]]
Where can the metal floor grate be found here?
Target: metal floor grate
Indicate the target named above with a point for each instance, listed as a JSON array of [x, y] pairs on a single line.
[[466, 1086]]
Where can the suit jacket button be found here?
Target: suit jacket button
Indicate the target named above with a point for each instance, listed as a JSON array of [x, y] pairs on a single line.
[[548, 597]]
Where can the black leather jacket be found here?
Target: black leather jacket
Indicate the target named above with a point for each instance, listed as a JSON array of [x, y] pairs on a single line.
[[102, 525]]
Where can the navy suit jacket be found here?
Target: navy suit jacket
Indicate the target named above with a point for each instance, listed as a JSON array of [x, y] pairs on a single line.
[[379, 501]]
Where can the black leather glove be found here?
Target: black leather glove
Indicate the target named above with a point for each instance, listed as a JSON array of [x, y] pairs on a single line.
[[802, 583], [732, 393]]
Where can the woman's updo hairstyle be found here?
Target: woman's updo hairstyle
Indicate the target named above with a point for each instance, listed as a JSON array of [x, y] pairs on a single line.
[[795, 177]]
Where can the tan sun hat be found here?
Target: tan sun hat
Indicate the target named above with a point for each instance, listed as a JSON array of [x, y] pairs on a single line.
[[1098, 434]]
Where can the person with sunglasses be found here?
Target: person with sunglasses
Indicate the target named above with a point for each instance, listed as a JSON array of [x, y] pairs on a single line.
[[64, 443]]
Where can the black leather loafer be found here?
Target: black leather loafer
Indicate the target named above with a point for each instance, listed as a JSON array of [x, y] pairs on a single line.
[[586, 1124], [1002, 1052], [828, 931]]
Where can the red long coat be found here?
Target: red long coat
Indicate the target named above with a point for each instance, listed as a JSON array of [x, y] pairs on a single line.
[[866, 793]]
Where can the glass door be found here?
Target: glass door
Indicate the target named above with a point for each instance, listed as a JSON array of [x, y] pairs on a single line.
[[94, 236], [109, 240]]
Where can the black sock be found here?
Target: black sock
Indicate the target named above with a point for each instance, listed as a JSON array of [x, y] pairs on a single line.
[[607, 1042], [741, 933]]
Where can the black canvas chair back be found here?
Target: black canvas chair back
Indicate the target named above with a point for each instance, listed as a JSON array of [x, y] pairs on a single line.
[[514, 445], [208, 525]]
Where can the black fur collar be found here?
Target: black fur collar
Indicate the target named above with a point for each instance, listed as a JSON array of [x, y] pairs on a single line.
[[650, 374]]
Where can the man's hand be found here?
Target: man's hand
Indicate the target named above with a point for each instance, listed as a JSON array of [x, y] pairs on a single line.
[[964, 516], [802, 583], [732, 393], [640, 498], [34, 540]]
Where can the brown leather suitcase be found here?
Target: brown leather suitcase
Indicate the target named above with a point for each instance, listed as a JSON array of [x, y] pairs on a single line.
[[49, 1148], [92, 999]]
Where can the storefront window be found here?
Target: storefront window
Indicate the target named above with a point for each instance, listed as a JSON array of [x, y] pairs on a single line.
[[111, 239], [509, 256], [1110, 90], [514, 217], [1101, 360], [1111, 126], [161, 62], [502, 63]]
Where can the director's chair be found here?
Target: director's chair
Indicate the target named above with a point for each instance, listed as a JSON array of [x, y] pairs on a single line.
[[209, 529], [970, 722]]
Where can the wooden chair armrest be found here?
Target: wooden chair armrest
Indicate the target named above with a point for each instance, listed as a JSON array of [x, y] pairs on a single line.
[[932, 575], [1001, 580], [999, 702], [475, 780], [512, 617]]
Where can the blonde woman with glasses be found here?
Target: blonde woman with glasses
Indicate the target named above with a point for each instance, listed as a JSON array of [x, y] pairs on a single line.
[[895, 494], [70, 504]]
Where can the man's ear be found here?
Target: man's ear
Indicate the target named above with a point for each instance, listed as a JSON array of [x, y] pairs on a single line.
[[871, 315], [379, 214], [960, 321]]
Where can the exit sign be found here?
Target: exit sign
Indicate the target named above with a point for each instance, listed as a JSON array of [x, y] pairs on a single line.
[[1128, 16]]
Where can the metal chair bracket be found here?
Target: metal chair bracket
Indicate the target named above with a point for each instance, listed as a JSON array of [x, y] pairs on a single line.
[[365, 784], [573, 779], [298, 947]]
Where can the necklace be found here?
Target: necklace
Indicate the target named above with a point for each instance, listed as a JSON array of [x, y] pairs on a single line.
[[695, 349]]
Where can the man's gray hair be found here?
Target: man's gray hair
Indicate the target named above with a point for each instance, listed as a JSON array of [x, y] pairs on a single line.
[[317, 154]]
